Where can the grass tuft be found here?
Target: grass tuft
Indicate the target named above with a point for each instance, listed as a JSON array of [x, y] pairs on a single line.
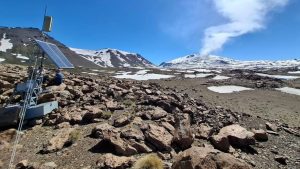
[[150, 161], [74, 136], [106, 114]]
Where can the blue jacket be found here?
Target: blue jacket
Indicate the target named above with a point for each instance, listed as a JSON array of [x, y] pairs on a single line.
[[59, 78]]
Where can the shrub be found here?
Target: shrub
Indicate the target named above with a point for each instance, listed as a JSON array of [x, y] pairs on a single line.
[[106, 114], [74, 136], [150, 161], [129, 103]]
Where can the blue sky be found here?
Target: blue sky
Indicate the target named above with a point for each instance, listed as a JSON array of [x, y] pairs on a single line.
[[160, 30]]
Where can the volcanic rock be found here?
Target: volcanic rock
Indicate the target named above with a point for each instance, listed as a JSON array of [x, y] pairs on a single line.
[[203, 131], [103, 131], [132, 133], [281, 159], [204, 157], [111, 161], [271, 127], [235, 135], [59, 141], [260, 135], [8, 135], [183, 136], [158, 137]]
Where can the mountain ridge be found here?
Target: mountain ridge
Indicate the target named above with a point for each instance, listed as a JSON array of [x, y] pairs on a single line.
[[109, 57], [214, 61]]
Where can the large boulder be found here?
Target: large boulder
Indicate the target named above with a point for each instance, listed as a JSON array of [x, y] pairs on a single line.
[[60, 87], [5, 84], [155, 113], [112, 105], [260, 135], [183, 136], [158, 137], [204, 157], [103, 131], [203, 131], [110, 161], [234, 135], [132, 133], [121, 147], [8, 135], [58, 141], [110, 135], [121, 120], [90, 116]]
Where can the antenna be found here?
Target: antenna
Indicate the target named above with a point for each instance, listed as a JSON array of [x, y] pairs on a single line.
[[45, 13]]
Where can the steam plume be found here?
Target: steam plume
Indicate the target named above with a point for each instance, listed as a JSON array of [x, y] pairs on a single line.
[[244, 16]]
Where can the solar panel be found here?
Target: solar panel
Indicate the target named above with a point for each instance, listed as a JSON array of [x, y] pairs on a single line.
[[53, 52]]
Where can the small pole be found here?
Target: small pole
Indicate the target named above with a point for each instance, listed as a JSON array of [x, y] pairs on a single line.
[[44, 37]]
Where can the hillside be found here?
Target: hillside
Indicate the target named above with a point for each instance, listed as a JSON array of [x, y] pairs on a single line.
[[109, 123]]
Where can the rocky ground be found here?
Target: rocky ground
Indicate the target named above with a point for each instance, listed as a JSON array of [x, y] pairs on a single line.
[[264, 102], [104, 122]]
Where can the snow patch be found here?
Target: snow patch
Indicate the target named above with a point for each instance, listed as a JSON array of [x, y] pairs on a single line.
[[199, 75], [203, 70], [294, 72], [142, 72], [283, 77], [92, 73], [167, 70], [220, 77], [85, 52], [2, 59], [227, 89], [5, 44], [289, 90], [150, 76], [20, 56]]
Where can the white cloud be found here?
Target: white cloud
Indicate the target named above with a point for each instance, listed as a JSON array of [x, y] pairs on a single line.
[[244, 16]]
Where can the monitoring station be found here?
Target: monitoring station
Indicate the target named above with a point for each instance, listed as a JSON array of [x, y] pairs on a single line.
[[28, 107]]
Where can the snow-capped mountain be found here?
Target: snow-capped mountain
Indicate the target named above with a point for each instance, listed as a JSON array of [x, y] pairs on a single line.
[[113, 58], [213, 61]]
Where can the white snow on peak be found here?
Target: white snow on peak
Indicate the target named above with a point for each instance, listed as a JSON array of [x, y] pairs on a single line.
[[5, 44], [85, 52], [228, 89], [116, 51]]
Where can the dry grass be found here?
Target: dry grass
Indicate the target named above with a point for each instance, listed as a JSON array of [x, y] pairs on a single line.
[[74, 136], [106, 114], [151, 161]]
